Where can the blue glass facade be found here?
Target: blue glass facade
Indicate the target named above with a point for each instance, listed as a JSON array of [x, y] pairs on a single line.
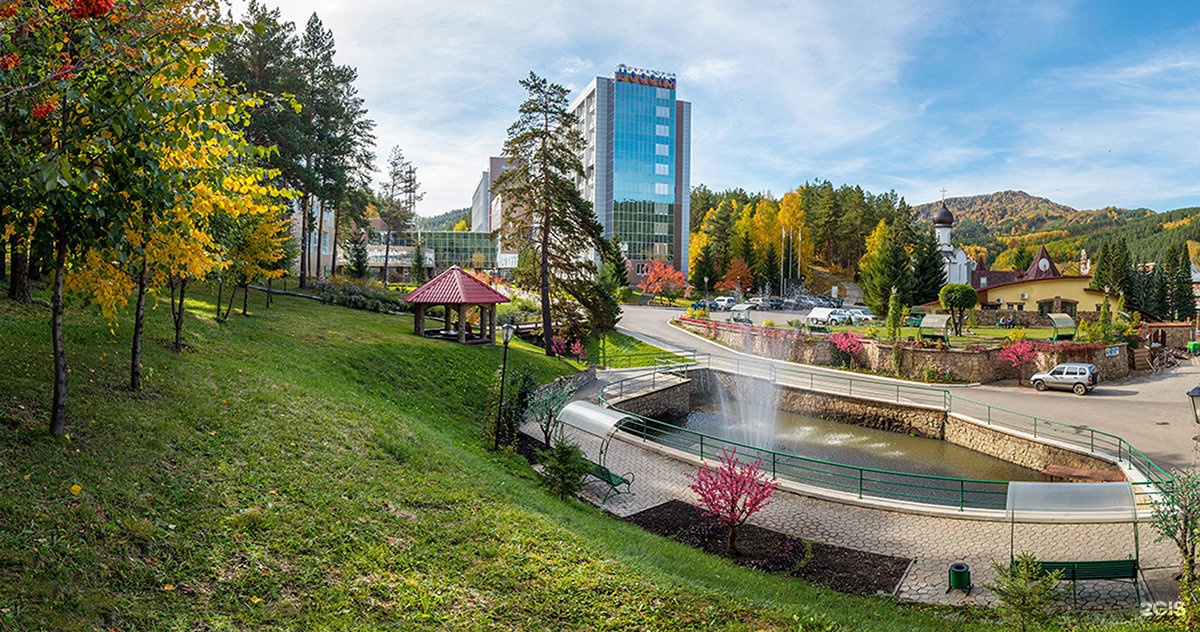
[[636, 163], [644, 148]]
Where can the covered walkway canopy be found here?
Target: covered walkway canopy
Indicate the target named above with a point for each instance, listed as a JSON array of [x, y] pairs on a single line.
[[593, 420], [456, 290]]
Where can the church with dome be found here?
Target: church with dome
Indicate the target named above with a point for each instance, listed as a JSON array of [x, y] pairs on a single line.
[[959, 267]]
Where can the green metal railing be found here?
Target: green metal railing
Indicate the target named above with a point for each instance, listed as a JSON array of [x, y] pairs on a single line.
[[961, 492]]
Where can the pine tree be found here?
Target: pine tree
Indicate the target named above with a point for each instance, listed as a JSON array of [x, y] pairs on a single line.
[[885, 265], [929, 271], [703, 274], [556, 222], [768, 270]]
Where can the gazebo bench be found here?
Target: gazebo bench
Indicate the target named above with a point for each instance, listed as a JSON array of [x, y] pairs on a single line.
[[818, 329], [612, 479], [1099, 569], [935, 337]]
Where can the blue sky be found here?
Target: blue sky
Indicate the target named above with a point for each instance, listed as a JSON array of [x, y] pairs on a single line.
[[1089, 104]]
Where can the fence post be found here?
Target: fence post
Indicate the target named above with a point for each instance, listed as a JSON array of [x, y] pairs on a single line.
[[860, 482], [962, 494], [773, 457]]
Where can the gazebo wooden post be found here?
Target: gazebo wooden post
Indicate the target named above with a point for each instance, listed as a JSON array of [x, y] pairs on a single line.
[[419, 319], [446, 311], [462, 322], [491, 334]]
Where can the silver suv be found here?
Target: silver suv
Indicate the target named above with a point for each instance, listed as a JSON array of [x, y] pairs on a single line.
[[1075, 376]]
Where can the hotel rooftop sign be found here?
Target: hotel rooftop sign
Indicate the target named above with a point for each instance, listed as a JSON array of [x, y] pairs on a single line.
[[639, 76]]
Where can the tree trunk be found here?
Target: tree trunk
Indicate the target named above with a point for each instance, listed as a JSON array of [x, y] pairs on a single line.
[[269, 294], [333, 245], [18, 285], [732, 543], [232, 295], [320, 232], [245, 299], [177, 312], [387, 253], [304, 206], [547, 333], [220, 292], [139, 325], [58, 408], [3, 257]]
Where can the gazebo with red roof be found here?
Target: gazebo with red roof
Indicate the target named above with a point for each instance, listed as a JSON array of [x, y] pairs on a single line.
[[458, 289]]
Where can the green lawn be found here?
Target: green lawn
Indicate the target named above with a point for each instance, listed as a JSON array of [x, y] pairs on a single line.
[[313, 467]]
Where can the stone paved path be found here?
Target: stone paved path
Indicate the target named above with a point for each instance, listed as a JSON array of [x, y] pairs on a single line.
[[933, 543]]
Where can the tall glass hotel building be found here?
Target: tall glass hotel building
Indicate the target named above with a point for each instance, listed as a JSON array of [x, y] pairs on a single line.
[[637, 163]]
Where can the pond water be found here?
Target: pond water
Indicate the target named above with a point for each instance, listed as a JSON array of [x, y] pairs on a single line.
[[816, 438]]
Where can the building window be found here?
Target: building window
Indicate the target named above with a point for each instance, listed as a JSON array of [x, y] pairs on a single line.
[[662, 93], [660, 229], [662, 170], [662, 130], [641, 269], [663, 111], [660, 250], [661, 150], [662, 188]]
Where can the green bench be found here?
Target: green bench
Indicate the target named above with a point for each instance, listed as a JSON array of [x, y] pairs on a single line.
[[1101, 569], [818, 329], [935, 337], [612, 479]]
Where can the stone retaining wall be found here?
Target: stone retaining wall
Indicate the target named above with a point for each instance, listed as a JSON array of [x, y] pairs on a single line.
[[1028, 453], [667, 402], [972, 364]]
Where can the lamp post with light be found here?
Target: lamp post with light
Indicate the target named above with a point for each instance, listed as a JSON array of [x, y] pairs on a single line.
[[507, 333]]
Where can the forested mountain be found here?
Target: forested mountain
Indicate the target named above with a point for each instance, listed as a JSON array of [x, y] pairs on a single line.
[[1148, 237], [985, 220], [445, 221]]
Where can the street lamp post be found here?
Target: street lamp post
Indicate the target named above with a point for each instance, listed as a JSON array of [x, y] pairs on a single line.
[[1194, 395], [507, 333]]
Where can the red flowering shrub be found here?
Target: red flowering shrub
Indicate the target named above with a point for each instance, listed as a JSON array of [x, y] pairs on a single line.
[[733, 491], [44, 109], [8, 10], [10, 61], [90, 8]]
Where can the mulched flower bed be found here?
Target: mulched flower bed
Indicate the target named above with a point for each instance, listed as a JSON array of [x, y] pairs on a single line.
[[841, 569], [838, 568]]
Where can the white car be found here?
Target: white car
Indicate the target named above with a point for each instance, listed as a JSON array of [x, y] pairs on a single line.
[[861, 316], [725, 302]]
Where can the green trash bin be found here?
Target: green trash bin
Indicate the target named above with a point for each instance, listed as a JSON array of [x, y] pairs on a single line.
[[1193, 347], [960, 578]]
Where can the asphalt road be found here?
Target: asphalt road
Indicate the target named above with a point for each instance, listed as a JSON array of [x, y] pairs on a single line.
[[1152, 412]]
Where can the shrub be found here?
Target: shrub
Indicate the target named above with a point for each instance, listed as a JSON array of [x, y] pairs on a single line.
[[357, 294], [1024, 593], [565, 468], [768, 323]]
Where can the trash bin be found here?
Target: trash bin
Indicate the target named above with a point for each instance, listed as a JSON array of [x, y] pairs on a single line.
[[1193, 347], [960, 577]]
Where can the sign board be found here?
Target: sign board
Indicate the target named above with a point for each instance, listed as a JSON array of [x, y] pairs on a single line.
[[833, 291], [1111, 351]]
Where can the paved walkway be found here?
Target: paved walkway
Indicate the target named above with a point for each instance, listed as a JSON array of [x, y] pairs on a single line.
[[932, 543]]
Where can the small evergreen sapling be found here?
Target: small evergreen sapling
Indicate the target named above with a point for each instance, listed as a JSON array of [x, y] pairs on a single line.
[[565, 467], [1025, 594], [732, 492]]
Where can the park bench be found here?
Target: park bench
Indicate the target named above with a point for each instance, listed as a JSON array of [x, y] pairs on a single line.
[[935, 337], [1101, 569], [818, 329], [612, 479]]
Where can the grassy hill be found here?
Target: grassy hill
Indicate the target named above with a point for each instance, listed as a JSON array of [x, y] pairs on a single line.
[[313, 467]]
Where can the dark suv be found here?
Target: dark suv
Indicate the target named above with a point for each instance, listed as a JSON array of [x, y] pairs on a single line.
[[1074, 376]]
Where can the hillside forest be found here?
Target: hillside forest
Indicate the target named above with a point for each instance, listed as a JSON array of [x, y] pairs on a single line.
[[756, 242]]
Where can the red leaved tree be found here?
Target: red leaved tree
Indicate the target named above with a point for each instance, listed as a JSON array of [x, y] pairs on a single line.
[[1017, 353], [848, 343], [733, 491], [663, 279], [738, 277]]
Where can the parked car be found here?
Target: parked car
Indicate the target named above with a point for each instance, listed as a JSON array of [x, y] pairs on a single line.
[[1074, 376], [710, 305], [740, 314], [725, 302], [828, 316], [861, 316], [774, 302], [758, 304]]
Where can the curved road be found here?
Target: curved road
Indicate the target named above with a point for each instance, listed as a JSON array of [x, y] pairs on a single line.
[[1152, 412]]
